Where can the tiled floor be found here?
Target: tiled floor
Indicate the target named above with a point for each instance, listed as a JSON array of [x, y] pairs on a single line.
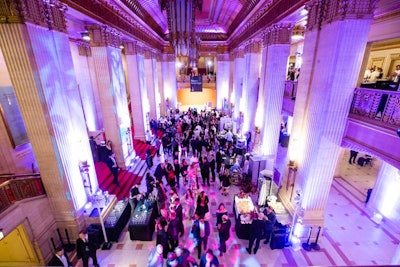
[[350, 237]]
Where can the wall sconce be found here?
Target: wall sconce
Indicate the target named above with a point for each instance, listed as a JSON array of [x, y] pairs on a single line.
[[85, 36], [1, 234], [291, 179]]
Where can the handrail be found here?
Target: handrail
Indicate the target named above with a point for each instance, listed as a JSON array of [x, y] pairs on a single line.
[[20, 187]]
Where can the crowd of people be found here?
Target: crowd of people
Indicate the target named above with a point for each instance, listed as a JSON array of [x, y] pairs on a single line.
[[195, 153], [193, 150]]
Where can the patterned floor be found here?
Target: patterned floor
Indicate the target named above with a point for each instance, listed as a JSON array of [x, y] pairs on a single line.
[[350, 238]]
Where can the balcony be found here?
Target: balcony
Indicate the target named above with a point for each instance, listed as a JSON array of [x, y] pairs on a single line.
[[15, 188], [373, 121]]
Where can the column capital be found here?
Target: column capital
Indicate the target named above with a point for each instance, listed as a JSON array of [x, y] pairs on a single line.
[[49, 14], [167, 57], [277, 34], [133, 48], [223, 57], [102, 35], [238, 53], [321, 12], [222, 49], [253, 47], [83, 48]]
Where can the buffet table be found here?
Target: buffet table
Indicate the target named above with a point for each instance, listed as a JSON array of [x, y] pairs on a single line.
[[117, 220], [142, 223], [241, 209]]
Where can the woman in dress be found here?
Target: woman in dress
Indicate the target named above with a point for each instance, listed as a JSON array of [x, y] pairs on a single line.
[[221, 211], [202, 204], [189, 200]]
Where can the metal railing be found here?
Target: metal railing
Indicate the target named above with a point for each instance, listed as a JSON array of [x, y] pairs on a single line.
[[14, 188], [377, 105]]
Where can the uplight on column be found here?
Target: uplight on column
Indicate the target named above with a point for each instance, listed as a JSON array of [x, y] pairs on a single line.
[[1, 234]]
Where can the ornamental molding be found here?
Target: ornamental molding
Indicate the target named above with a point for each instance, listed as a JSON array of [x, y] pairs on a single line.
[[278, 34], [253, 47], [101, 35], [47, 13], [321, 12]]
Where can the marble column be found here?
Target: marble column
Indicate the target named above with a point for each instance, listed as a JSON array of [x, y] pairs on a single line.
[[237, 92], [107, 57], [137, 88], [333, 49], [84, 65], [150, 72], [168, 90], [252, 58], [384, 202], [38, 56], [276, 51], [222, 76]]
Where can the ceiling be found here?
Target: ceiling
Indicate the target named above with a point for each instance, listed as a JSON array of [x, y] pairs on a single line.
[[217, 22]]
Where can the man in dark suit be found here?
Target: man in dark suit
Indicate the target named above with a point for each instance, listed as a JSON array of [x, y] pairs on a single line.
[[179, 212], [174, 230], [205, 171], [256, 231], [86, 248], [270, 220], [60, 258], [112, 164], [201, 231]]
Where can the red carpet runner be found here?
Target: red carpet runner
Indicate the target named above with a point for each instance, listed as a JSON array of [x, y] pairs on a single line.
[[126, 178]]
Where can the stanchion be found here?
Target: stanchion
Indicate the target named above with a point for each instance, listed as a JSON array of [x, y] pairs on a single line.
[[69, 247], [52, 242], [307, 245], [315, 245], [60, 237]]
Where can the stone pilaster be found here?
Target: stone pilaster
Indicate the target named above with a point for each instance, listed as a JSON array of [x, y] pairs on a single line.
[[329, 75], [251, 76], [273, 75], [107, 57]]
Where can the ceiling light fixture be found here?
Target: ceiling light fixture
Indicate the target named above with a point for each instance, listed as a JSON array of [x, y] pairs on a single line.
[[85, 35]]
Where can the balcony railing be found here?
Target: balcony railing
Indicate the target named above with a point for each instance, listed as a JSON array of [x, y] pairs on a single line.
[[378, 105], [14, 188]]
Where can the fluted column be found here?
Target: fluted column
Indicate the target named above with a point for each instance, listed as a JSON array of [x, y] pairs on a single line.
[[276, 51], [137, 89], [105, 46], [252, 59], [237, 80], [333, 49], [150, 73], [37, 52], [168, 89], [222, 75], [84, 65]]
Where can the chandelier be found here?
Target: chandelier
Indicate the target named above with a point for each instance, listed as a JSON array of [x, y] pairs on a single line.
[[181, 24]]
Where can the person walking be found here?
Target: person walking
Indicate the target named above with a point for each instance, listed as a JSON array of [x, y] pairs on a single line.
[[201, 231], [224, 233]]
